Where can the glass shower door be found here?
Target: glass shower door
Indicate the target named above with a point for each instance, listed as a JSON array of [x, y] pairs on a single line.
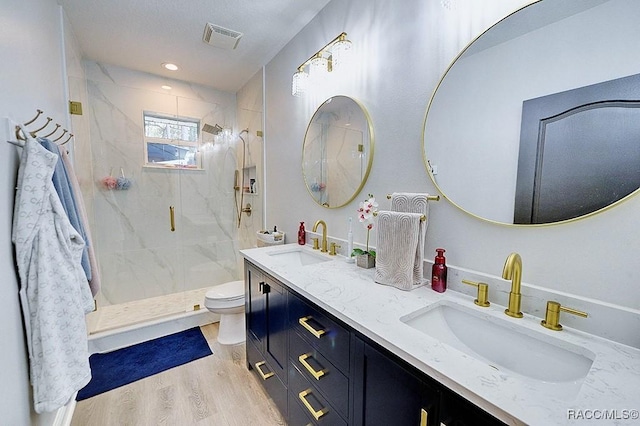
[[207, 235]]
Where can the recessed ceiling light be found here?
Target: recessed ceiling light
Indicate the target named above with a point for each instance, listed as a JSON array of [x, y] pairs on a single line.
[[166, 87], [170, 66]]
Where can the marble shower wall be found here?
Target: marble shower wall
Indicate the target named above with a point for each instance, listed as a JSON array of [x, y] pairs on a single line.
[[138, 254]]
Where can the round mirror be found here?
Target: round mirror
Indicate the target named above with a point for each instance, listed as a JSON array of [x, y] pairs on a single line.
[[337, 151], [538, 120]]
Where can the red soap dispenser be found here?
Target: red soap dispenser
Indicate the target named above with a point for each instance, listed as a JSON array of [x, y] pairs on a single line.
[[439, 272], [302, 240]]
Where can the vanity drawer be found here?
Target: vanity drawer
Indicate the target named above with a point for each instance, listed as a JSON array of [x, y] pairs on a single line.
[[324, 334], [298, 414], [320, 372], [271, 382], [314, 404]]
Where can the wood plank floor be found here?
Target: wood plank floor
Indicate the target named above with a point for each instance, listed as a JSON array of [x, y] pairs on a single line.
[[215, 390]]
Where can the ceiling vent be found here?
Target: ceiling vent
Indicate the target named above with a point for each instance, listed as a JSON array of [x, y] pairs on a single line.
[[218, 36]]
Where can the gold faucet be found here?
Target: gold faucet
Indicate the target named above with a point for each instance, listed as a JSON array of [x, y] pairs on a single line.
[[513, 271], [324, 234]]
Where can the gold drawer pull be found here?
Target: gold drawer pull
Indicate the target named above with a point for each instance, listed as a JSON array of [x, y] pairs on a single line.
[[172, 218], [424, 417], [303, 322], [316, 374], [263, 375], [316, 414]]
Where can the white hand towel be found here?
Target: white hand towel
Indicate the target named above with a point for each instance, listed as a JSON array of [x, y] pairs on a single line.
[[398, 241], [409, 202]]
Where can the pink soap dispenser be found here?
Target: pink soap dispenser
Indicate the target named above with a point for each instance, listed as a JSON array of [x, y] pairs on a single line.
[[439, 272]]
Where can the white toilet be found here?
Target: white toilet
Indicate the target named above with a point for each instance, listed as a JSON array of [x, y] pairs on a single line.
[[228, 300]]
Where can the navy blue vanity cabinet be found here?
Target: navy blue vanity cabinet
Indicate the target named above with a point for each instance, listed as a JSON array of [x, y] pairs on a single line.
[[267, 333], [320, 371], [457, 411], [389, 392], [319, 364]]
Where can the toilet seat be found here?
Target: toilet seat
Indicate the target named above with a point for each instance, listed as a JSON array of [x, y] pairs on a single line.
[[225, 295]]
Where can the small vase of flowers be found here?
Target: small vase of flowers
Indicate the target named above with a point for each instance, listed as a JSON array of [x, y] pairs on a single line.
[[366, 211]]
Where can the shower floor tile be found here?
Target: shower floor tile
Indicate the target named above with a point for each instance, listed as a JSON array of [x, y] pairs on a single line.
[[139, 311]]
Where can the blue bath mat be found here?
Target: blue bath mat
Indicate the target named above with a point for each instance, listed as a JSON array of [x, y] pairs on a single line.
[[127, 365]]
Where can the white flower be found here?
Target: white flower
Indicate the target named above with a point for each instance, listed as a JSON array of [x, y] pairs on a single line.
[[367, 210]]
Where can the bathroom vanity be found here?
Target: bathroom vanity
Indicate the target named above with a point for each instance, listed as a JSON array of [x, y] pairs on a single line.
[[331, 346]]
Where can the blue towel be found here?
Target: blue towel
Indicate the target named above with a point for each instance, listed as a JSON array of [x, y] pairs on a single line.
[[63, 187]]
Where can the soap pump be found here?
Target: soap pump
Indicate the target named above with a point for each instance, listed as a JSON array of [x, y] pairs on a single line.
[[302, 235], [439, 272]]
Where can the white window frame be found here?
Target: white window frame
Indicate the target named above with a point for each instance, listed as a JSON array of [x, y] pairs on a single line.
[[178, 165]]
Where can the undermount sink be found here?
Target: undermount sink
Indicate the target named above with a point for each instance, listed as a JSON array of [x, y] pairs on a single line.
[[505, 346], [300, 256]]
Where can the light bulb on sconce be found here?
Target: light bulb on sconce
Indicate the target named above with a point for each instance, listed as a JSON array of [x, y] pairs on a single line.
[[340, 52], [299, 83], [330, 58], [318, 68]]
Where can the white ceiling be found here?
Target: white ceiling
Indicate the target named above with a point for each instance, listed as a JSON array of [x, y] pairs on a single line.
[[142, 34]]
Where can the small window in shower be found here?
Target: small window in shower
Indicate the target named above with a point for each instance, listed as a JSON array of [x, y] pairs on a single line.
[[171, 142]]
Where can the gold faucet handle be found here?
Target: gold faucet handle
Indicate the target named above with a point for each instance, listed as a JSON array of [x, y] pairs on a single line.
[[316, 245], [552, 317], [483, 293], [332, 249]]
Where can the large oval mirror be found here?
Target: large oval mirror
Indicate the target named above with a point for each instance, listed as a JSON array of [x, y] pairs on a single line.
[[337, 151], [538, 120]]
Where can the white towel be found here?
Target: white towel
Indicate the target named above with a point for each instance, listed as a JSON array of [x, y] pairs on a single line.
[[409, 202], [398, 241]]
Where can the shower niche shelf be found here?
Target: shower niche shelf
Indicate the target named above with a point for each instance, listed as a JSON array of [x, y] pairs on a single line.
[[249, 180]]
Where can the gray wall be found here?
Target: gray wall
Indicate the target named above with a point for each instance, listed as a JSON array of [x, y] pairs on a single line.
[[400, 53], [31, 66]]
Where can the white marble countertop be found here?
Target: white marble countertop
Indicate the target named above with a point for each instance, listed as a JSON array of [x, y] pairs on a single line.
[[610, 393]]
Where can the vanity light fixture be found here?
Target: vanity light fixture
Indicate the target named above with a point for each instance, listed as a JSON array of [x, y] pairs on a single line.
[[330, 58], [169, 66]]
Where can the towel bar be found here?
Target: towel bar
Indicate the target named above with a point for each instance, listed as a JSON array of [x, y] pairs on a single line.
[[422, 217], [429, 197]]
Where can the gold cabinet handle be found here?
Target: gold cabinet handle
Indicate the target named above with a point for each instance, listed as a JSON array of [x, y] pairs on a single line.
[[172, 218], [262, 374], [424, 417], [316, 414], [316, 374], [303, 322]]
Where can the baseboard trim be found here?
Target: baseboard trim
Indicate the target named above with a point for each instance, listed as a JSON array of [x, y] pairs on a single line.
[[65, 413]]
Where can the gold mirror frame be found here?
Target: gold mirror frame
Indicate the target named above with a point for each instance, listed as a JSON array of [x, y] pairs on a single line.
[[367, 150], [430, 171]]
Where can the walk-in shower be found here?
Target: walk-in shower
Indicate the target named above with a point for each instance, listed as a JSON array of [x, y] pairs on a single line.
[[148, 271]]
